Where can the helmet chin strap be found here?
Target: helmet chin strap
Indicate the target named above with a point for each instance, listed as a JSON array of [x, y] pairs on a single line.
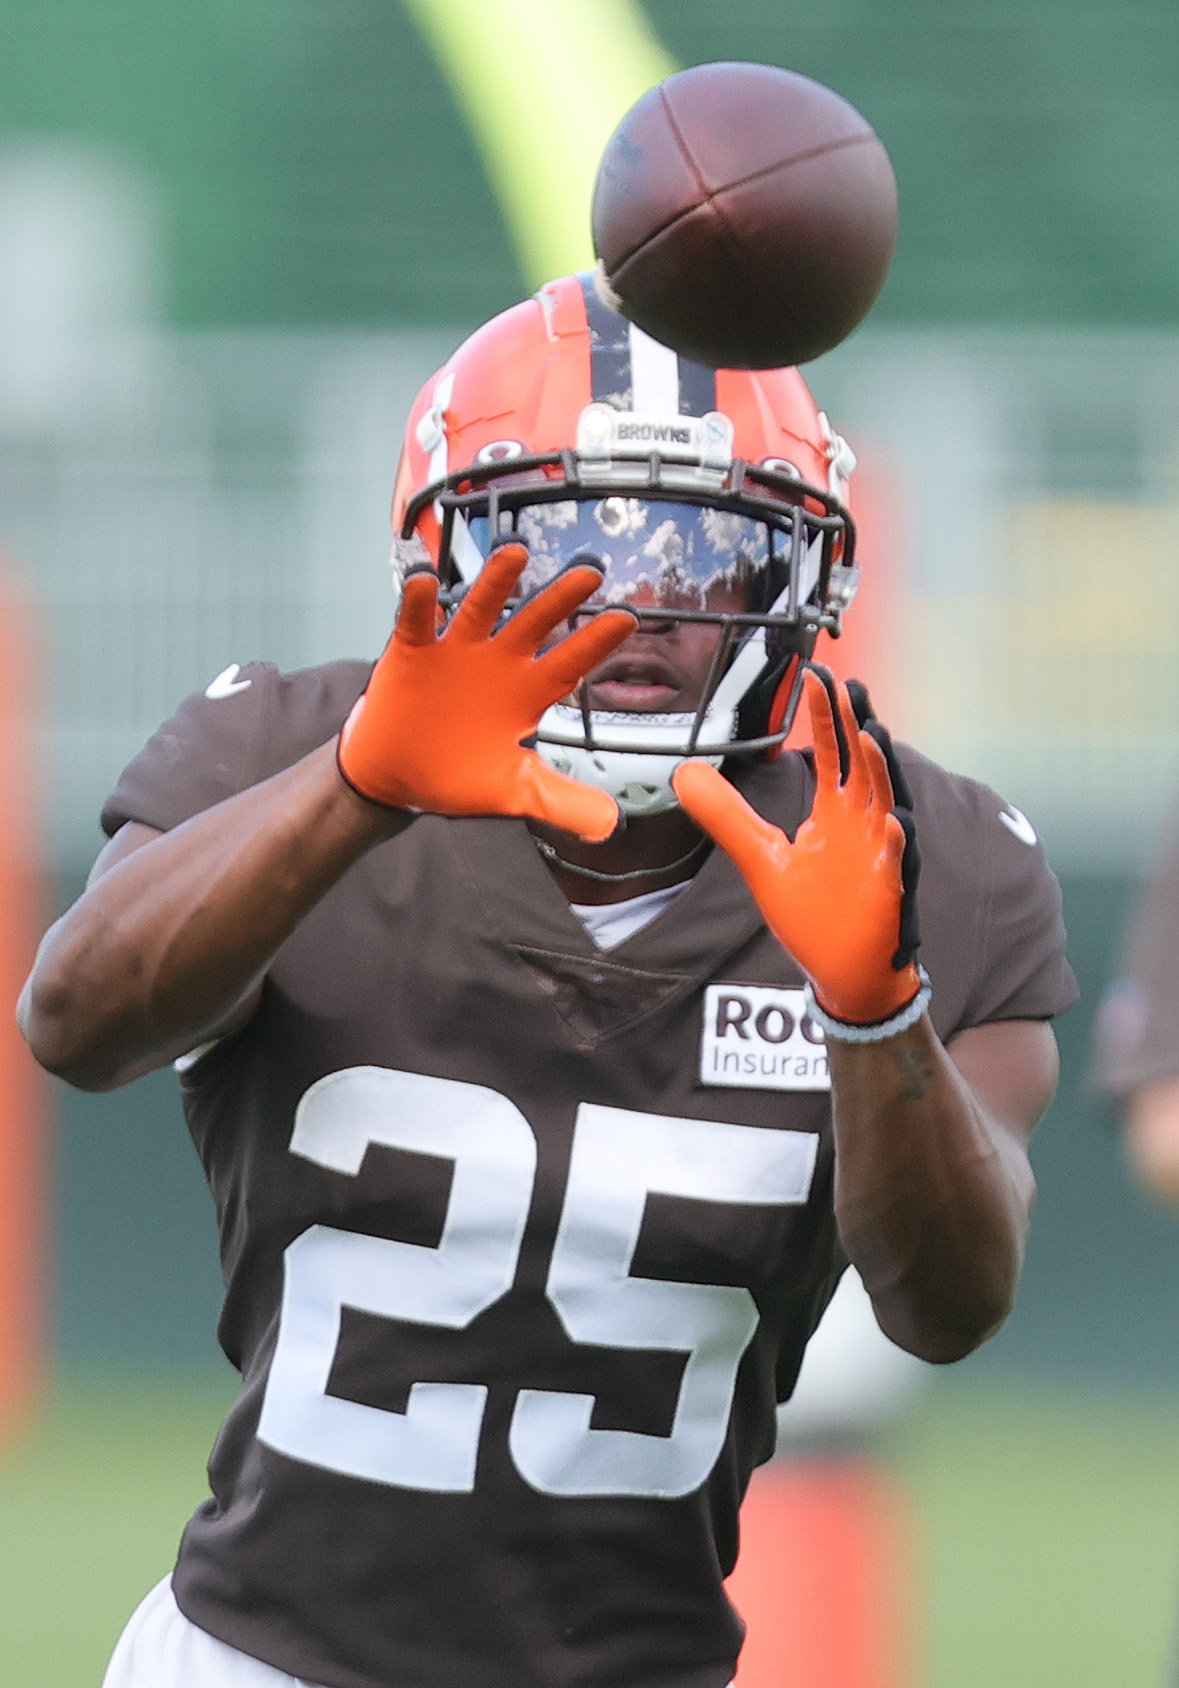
[[468, 558], [743, 671]]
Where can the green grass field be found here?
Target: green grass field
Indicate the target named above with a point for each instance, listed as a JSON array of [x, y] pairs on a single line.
[[1048, 1529]]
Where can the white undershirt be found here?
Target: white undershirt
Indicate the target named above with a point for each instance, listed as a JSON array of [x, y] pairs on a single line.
[[609, 924]]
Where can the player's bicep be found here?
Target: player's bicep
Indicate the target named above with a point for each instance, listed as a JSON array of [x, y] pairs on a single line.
[[1012, 1066]]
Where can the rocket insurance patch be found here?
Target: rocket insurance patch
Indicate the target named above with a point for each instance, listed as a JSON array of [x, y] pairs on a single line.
[[760, 1037]]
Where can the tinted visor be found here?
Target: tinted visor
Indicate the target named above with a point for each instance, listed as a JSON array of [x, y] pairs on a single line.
[[667, 555]]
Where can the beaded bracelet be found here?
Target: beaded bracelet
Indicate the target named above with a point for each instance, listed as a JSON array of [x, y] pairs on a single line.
[[844, 1031]]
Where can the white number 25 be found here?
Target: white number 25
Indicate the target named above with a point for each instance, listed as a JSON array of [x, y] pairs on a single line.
[[619, 1158]]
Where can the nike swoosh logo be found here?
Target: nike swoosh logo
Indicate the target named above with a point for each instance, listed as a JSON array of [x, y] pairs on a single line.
[[1017, 822], [227, 683]]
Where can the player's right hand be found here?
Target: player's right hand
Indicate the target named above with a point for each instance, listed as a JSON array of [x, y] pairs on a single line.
[[439, 726]]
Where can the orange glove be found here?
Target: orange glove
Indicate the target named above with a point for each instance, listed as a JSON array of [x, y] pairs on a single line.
[[839, 898], [438, 728]]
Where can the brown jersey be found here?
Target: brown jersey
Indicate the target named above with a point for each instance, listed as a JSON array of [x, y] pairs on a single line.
[[523, 1241]]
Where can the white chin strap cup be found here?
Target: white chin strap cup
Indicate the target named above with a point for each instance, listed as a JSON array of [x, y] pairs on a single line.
[[638, 780]]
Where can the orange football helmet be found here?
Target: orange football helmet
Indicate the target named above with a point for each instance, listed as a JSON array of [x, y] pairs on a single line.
[[562, 424]]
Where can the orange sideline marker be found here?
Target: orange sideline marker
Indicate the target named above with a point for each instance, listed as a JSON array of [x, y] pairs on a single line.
[[824, 1580]]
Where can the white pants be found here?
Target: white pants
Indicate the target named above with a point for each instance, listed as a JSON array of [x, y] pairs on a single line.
[[160, 1649]]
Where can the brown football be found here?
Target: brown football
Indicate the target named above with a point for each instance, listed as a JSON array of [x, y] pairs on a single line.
[[744, 215]]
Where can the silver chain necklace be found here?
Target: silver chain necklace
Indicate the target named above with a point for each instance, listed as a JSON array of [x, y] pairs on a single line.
[[550, 855]]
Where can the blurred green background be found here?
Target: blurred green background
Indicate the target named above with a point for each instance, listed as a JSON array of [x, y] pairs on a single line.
[[234, 239]]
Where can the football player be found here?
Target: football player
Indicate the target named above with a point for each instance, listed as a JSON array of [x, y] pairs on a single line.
[[1137, 1031], [540, 1128]]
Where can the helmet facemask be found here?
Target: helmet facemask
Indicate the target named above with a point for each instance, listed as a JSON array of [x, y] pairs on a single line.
[[684, 533]]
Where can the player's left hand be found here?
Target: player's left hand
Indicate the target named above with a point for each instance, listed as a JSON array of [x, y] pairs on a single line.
[[840, 898]]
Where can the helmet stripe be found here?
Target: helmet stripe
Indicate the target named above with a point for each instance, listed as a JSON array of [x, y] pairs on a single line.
[[610, 373], [697, 388], [655, 375], [622, 371]]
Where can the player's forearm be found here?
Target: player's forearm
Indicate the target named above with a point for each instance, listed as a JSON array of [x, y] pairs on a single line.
[[161, 949], [932, 1197]]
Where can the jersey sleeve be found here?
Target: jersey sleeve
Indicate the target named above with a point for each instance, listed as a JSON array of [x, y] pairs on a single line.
[[248, 724], [993, 935], [1024, 972], [1137, 1024]]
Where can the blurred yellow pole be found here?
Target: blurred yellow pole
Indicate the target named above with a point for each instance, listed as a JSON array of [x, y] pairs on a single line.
[[542, 84]]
